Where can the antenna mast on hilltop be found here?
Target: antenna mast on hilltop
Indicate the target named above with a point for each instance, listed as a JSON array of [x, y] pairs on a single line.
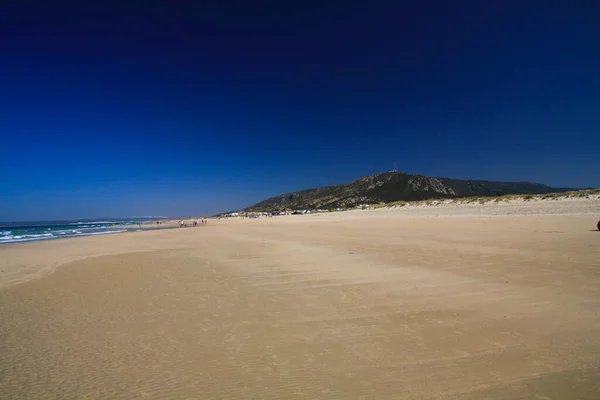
[[395, 167]]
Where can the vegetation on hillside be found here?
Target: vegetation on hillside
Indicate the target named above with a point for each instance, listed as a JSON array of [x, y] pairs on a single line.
[[398, 187], [585, 193]]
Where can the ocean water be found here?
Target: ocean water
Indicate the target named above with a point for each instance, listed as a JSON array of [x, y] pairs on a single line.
[[29, 232]]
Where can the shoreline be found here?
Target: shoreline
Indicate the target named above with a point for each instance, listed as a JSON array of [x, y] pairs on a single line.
[[543, 208], [44, 237]]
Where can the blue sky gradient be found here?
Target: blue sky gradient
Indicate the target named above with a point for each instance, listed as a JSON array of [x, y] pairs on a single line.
[[120, 109]]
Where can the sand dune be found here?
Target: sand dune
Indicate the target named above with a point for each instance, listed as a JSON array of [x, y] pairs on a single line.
[[377, 305]]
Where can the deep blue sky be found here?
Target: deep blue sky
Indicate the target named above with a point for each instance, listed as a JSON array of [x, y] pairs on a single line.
[[155, 108]]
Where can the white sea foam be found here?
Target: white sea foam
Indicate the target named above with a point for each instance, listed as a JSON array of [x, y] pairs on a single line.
[[20, 240], [67, 231], [95, 222], [37, 236], [104, 233], [24, 238], [8, 238]]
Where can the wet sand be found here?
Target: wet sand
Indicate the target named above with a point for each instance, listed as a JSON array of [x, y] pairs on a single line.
[[378, 304]]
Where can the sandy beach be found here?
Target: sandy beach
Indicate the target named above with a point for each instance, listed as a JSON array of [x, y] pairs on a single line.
[[478, 302]]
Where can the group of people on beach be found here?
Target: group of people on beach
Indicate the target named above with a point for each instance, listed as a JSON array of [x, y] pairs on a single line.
[[182, 223], [202, 221]]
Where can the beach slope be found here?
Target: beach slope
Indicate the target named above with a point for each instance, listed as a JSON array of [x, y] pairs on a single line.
[[384, 304]]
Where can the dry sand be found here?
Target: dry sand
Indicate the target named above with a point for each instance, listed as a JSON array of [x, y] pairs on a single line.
[[384, 304]]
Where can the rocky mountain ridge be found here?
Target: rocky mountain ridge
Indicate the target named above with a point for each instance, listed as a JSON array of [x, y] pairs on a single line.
[[394, 186]]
